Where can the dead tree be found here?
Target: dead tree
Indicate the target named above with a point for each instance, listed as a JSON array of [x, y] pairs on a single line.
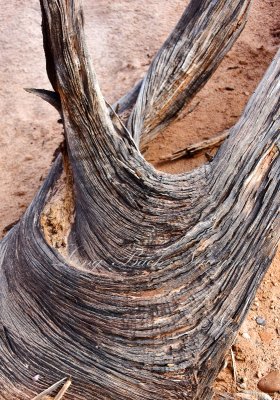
[[134, 281]]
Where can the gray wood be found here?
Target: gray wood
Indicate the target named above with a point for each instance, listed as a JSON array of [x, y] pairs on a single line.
[[195, 148], [190, 55], [132, 281]]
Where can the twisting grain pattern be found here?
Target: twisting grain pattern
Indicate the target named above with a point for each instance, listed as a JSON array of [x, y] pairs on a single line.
[[157, 271], [202, 37], [188, 58]]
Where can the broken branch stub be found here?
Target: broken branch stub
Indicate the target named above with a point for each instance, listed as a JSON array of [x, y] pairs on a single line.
[[157, 271]]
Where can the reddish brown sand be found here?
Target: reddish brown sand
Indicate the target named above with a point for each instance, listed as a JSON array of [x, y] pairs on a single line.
[[123, 36]]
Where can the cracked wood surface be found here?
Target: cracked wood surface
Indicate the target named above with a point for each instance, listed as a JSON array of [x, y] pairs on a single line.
[[195, 48]]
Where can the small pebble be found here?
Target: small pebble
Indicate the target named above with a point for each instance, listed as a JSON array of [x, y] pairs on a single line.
[[246, 336], [253, 395], [260, 321], [240, 357], [243, 385], [270, 383]]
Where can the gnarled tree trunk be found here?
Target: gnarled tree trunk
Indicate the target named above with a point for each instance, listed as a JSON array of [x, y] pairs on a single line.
[[133, 281]]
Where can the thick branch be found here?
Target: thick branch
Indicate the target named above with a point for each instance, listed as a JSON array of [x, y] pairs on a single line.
[[190, 55]]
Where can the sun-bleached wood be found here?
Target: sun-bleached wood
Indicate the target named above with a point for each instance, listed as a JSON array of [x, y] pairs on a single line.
[[190, 55], [195, 148], [195, 48]]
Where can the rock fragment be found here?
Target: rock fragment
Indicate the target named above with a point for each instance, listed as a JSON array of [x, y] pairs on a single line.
[[270, 383], [260, 321]]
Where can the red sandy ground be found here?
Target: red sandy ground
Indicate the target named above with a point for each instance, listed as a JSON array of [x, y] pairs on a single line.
[[123, 36]]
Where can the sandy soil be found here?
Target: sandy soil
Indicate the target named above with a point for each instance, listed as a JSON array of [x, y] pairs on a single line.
[[123, 36]]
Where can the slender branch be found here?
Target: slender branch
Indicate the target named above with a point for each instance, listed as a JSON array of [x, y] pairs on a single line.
[[127, 102], [192, 149]]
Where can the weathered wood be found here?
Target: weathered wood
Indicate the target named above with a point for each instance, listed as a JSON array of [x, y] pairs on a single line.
[[185, 62], [47, 95], [202, 37], [194, 148], [132, 281]]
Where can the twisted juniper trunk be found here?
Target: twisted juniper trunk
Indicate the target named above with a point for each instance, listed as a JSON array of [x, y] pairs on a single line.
[[133, 281]]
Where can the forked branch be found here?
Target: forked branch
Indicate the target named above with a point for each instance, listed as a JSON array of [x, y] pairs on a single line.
[[185, 62]]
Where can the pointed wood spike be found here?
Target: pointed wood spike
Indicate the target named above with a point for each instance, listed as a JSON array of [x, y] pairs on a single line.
[[47, 95], [49, 390]]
